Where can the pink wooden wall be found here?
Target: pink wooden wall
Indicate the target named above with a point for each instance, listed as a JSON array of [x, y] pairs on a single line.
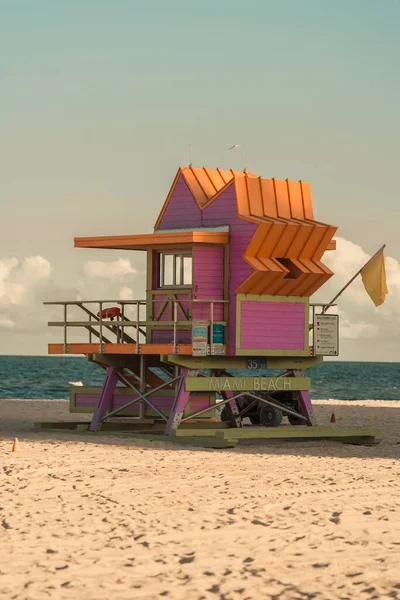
[[183, 212], [223, 211], [208, 281], [272, 326]]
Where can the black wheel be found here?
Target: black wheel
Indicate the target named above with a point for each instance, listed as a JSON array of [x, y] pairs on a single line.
[[226, 414], [270, 416], [254, 419], [295, 420]]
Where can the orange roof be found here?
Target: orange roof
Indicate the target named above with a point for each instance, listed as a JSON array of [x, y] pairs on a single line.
[[286, 228], [144, 241], [287, 239]]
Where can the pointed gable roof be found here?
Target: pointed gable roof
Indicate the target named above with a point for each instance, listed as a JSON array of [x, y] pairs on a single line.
[[204, 184]]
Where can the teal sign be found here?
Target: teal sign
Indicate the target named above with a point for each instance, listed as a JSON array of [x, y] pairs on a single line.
[[218, 333]]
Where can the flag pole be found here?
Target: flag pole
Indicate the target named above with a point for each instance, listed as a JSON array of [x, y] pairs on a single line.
[[327, 306]]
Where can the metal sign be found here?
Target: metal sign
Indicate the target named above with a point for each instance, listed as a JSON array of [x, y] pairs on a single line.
[[199, 338], [218, 350], [256, 363], [326, 335], [217, 333]]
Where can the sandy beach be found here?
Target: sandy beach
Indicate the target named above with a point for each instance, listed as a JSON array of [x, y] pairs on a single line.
[[98, 516]]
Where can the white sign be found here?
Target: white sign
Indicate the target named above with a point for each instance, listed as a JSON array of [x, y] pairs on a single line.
[[326, 335], [200, 349], [200, 338], [218, 350]]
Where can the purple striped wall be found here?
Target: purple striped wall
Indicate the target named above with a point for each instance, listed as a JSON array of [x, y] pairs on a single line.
[[182, 210], [223, 211], [208, 280], [272, 326]]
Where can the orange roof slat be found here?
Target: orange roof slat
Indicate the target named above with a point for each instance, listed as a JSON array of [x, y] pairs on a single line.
[[257, 239], [300, 241], [271, 239], [322, 247], [255, 193], [269, 198], [282, 199], [216, 178], [307, 201], [285, 241], [296, 199], [242, 197]]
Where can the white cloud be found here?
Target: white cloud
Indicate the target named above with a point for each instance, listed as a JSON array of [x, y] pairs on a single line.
[[126, 293], [6, 323], [113, 269], [26, 283], [37, 267], [356, 330], [10, 291], [24, 286], [359, 318]]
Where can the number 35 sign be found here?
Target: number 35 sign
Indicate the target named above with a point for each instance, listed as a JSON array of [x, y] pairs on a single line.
[[256, 363]]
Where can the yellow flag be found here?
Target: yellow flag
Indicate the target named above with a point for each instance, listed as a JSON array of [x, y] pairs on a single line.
[[374, 279]]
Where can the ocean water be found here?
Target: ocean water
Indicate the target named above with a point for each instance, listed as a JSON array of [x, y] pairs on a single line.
[[50, 377]]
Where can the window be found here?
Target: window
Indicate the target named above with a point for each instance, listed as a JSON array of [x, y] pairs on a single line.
[[174, 270], [294, 272]]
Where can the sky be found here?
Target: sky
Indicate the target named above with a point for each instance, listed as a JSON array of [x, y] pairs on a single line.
[[100, 100]]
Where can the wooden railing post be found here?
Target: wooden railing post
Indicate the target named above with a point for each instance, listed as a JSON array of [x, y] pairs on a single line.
[[175, 324], [65, 329], [137, 326], [211, 324], [101, 327]]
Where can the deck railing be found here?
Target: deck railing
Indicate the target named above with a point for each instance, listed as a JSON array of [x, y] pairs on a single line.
[[99, 327]]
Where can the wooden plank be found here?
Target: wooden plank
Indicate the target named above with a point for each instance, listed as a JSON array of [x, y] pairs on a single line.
[[156, 436], [82, 348], [242, 384], [203, 442], [196, 432], [331, 245], [93, 324], [300, 432], [240, 362], [71, 425], [258, 352]]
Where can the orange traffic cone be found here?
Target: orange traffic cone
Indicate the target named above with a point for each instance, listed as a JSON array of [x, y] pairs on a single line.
[[15, 447], [333, 418]]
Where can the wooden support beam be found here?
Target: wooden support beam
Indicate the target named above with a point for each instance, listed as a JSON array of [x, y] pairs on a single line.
[[240, 362], [299, 432]]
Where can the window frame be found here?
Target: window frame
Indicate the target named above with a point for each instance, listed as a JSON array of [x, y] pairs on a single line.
[[161, 255]]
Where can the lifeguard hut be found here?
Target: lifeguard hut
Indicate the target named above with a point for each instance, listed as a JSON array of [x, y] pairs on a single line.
[[231, 266]]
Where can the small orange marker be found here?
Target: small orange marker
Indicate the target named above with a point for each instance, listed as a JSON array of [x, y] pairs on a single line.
[[15, 447], [333, 418]]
